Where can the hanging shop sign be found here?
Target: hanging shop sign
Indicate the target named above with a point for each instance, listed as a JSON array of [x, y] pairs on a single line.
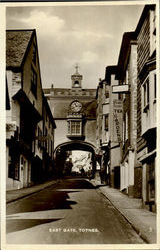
[[120, 88], [117, 120]]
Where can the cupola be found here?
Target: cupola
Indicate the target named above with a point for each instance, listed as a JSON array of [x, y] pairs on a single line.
[[76, 79]]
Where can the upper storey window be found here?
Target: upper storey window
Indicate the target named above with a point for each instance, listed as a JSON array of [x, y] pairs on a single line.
[[75, 119], [152, 32], [74, 127], [145, 96], [149, 107], [34, 54], [125, 127], [34, 82]]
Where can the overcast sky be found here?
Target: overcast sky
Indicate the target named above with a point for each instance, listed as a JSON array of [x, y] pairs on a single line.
[[88, 35]]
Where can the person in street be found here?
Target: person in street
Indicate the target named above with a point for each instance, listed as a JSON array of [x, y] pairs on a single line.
[[90, 173], [82, 171]]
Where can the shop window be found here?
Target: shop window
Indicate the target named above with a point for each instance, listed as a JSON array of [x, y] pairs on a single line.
[[151, 181], [16, 176], [10, 170], [33, 82], [13, 165]]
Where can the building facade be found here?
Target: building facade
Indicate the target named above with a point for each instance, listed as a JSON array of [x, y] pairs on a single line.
[[132, 111], [74, 111], [109, 130], [146, 102], [24, 115], [127, 77], [101, 138], [47, 141], [115, 127]]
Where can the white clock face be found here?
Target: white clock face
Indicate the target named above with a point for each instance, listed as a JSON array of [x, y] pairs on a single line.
[[76, 106]]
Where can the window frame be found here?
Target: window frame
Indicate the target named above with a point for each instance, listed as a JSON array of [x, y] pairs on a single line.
[[125, 127], [106, 118], [146, 94], [74, 122]]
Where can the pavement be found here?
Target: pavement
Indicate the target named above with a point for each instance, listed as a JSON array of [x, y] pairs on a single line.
[[13, 195], [142, 220]]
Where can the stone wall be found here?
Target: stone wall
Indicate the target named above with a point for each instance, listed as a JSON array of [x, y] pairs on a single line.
[[59, 100]]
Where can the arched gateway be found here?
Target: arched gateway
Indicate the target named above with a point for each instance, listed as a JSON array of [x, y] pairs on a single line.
[[74, 112], [76, 145]]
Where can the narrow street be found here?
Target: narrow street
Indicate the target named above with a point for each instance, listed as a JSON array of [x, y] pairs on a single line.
[[73, 212]]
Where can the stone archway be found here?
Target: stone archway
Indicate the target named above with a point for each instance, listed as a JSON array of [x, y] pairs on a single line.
[[61, 150]]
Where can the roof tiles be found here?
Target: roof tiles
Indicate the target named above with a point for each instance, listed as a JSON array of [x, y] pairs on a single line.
[[16, 44]]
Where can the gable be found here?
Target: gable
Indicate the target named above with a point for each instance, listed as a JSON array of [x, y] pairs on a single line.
[[17, 42]]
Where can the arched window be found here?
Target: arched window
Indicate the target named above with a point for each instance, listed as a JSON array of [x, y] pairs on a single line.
[[76, 83]]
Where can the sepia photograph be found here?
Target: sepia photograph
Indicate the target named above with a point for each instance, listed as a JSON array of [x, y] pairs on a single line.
[[81, 124]]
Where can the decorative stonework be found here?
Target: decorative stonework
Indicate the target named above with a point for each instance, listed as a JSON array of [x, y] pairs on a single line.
[[76, 79]]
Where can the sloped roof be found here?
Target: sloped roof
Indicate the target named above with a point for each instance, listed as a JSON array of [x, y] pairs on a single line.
[[17, 42], [145, 11], [124, 52]]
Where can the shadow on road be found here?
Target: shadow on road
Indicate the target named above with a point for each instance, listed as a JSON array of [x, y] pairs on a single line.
[[14, 225], [48, 199], [77, 183], [44, 200]]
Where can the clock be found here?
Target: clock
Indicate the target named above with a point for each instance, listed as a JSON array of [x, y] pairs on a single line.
[[76, 106]]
